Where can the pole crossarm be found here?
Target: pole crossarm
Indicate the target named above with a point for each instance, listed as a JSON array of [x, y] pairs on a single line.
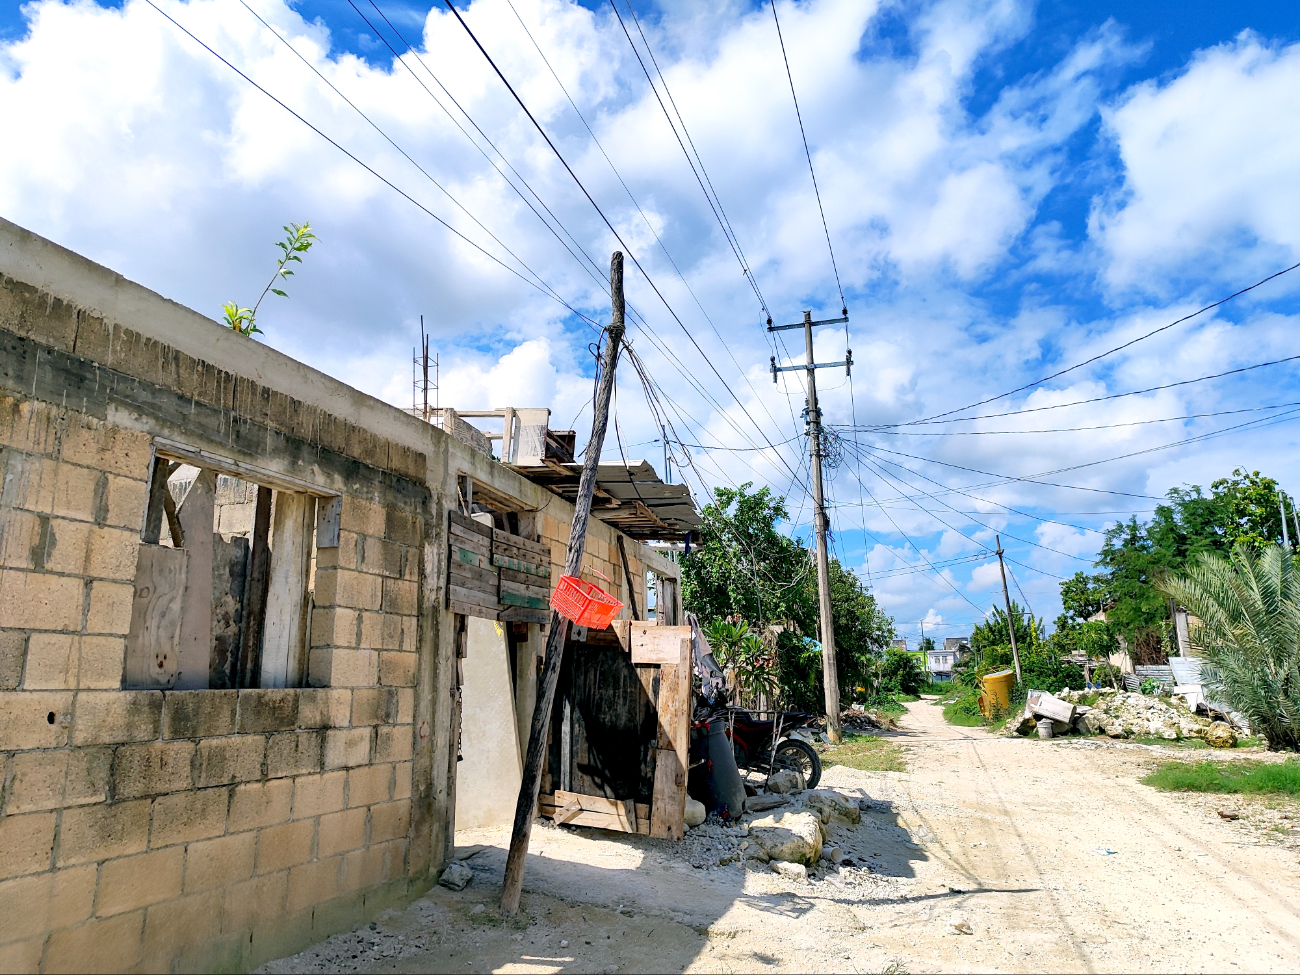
[[847, 363], [824, 321]]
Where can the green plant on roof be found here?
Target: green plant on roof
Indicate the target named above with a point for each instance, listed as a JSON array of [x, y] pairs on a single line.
[[298, 240]]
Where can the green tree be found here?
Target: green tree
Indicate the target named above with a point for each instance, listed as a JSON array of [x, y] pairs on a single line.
[[298, 241], [1248, 607], [901, 672], [927, 645]]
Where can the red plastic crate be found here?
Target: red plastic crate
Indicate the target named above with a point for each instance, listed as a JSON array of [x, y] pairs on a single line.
[[585, 603]]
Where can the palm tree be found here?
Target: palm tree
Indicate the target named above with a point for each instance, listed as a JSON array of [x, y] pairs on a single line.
[[1249, 629]]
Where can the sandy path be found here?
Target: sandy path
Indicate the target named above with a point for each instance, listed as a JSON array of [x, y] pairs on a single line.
[[1002, 834]]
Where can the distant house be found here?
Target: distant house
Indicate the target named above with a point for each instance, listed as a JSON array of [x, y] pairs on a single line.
[[899, 644], [941, 662]]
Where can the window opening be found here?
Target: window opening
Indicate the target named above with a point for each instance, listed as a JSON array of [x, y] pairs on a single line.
[[224, 580]]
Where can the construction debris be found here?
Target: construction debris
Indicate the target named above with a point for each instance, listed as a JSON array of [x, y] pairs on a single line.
[[457, 876], [860, 720], [1117, 714]]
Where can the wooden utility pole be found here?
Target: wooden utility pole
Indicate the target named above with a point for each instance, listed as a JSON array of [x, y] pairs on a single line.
[[555, 639], [1011, 630], [821, 521]]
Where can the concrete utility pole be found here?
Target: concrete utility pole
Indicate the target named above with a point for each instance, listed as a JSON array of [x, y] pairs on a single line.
[[1015, 654], [830, 671], [1281, 503], [550, 679]]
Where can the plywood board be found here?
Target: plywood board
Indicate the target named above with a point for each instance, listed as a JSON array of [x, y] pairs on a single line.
[[151, 646], [284, 635], [668, 808], [651, 644]]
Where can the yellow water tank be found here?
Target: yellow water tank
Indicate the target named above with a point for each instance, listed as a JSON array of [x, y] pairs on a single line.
[[997, 691]]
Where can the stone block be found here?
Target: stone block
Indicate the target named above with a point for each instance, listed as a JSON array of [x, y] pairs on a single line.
[[347, 747], [401, 597], [171, 928], [13, 653], [343, 587], [187, 816], [255, 902], [314, 795], [314, 882], [101, 663], [364, 868], [51, 661], [64, 777], [112, 554], [62, 546], [402, 780], [272, 709], [22, 956], [335, 626], [380, 557], [153, 769], [37, 601], [104, 830], [261, 804], [370, 784], [26, 843], [198, 714], [373, 705], [237, 758], [138, 881], [324, 707], [111, 717], [380, 631], [39, 903], [218, 862], [389, 821], [114, 943], [294, 753], [337, 667], [361, 516], [402, 527], [405, 705], [393, 743], [342, 831], [287, 845], [34, 719], [109, 448], [126, 500], [397, 669], [110, 608]]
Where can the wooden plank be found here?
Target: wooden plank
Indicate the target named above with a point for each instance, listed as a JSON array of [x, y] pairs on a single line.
[[156, 607], [196, 515], [577, 809], [522, 614], [259, 576], [525, 602], [518, 565], [475, 597], [467, 556], [470, 609], [472, 577], [570, 811], [524, 578], [283, 646], [627, 578], [529, 550], [652, 644], [329, 515], [668, 807], [466, 539], [457, 520], [527, 592]]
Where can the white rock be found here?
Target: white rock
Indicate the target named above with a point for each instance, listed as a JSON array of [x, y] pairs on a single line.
[[795, 837], [695, 812], [837, 808], [791, 871], [456, 877], [785, 781]]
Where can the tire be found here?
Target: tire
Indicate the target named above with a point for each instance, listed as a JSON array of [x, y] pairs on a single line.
[[800, 757], [741, 752]]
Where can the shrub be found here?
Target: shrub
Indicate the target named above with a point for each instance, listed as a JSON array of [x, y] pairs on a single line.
[[1249, 628]]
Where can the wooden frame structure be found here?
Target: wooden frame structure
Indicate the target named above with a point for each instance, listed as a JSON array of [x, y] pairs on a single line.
[[620, 733]]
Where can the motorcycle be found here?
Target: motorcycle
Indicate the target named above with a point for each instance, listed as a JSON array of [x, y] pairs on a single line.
[[792, 732]]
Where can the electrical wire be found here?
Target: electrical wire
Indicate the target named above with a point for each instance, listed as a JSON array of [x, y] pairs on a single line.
[[844, 310]]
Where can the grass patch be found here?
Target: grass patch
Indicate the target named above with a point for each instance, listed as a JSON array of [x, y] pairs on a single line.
[[868, 753], [963, 712], [1255, 778], [906, 698], [1193, 743]]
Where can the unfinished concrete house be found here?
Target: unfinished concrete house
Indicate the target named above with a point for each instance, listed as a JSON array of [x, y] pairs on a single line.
[[254, 622]]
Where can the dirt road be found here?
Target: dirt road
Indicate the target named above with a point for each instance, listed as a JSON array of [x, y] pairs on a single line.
[[1052, 854]]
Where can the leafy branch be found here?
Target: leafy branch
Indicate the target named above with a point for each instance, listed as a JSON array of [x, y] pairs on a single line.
[[298, 241]]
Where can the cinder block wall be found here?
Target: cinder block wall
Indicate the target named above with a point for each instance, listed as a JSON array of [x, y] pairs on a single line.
[[207, 829]]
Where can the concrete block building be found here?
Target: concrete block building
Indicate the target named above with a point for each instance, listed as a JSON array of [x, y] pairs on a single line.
[[233, 687]]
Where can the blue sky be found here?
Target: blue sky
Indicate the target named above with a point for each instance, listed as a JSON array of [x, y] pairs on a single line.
[[1010, 187]]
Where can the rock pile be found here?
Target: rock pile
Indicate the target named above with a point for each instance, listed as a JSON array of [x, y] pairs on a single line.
[[1119, 714], [858, 719]]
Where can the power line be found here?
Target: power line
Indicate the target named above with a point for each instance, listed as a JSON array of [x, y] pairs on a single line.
[[630, 253], [844, 310], [1118, 348]]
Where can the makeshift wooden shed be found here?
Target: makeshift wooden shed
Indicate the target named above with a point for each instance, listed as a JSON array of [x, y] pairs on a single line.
[[620, 731]]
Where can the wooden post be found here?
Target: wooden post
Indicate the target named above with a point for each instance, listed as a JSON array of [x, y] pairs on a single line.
[[627, 575], [1006, 596], [259, 575], [513, 884]]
